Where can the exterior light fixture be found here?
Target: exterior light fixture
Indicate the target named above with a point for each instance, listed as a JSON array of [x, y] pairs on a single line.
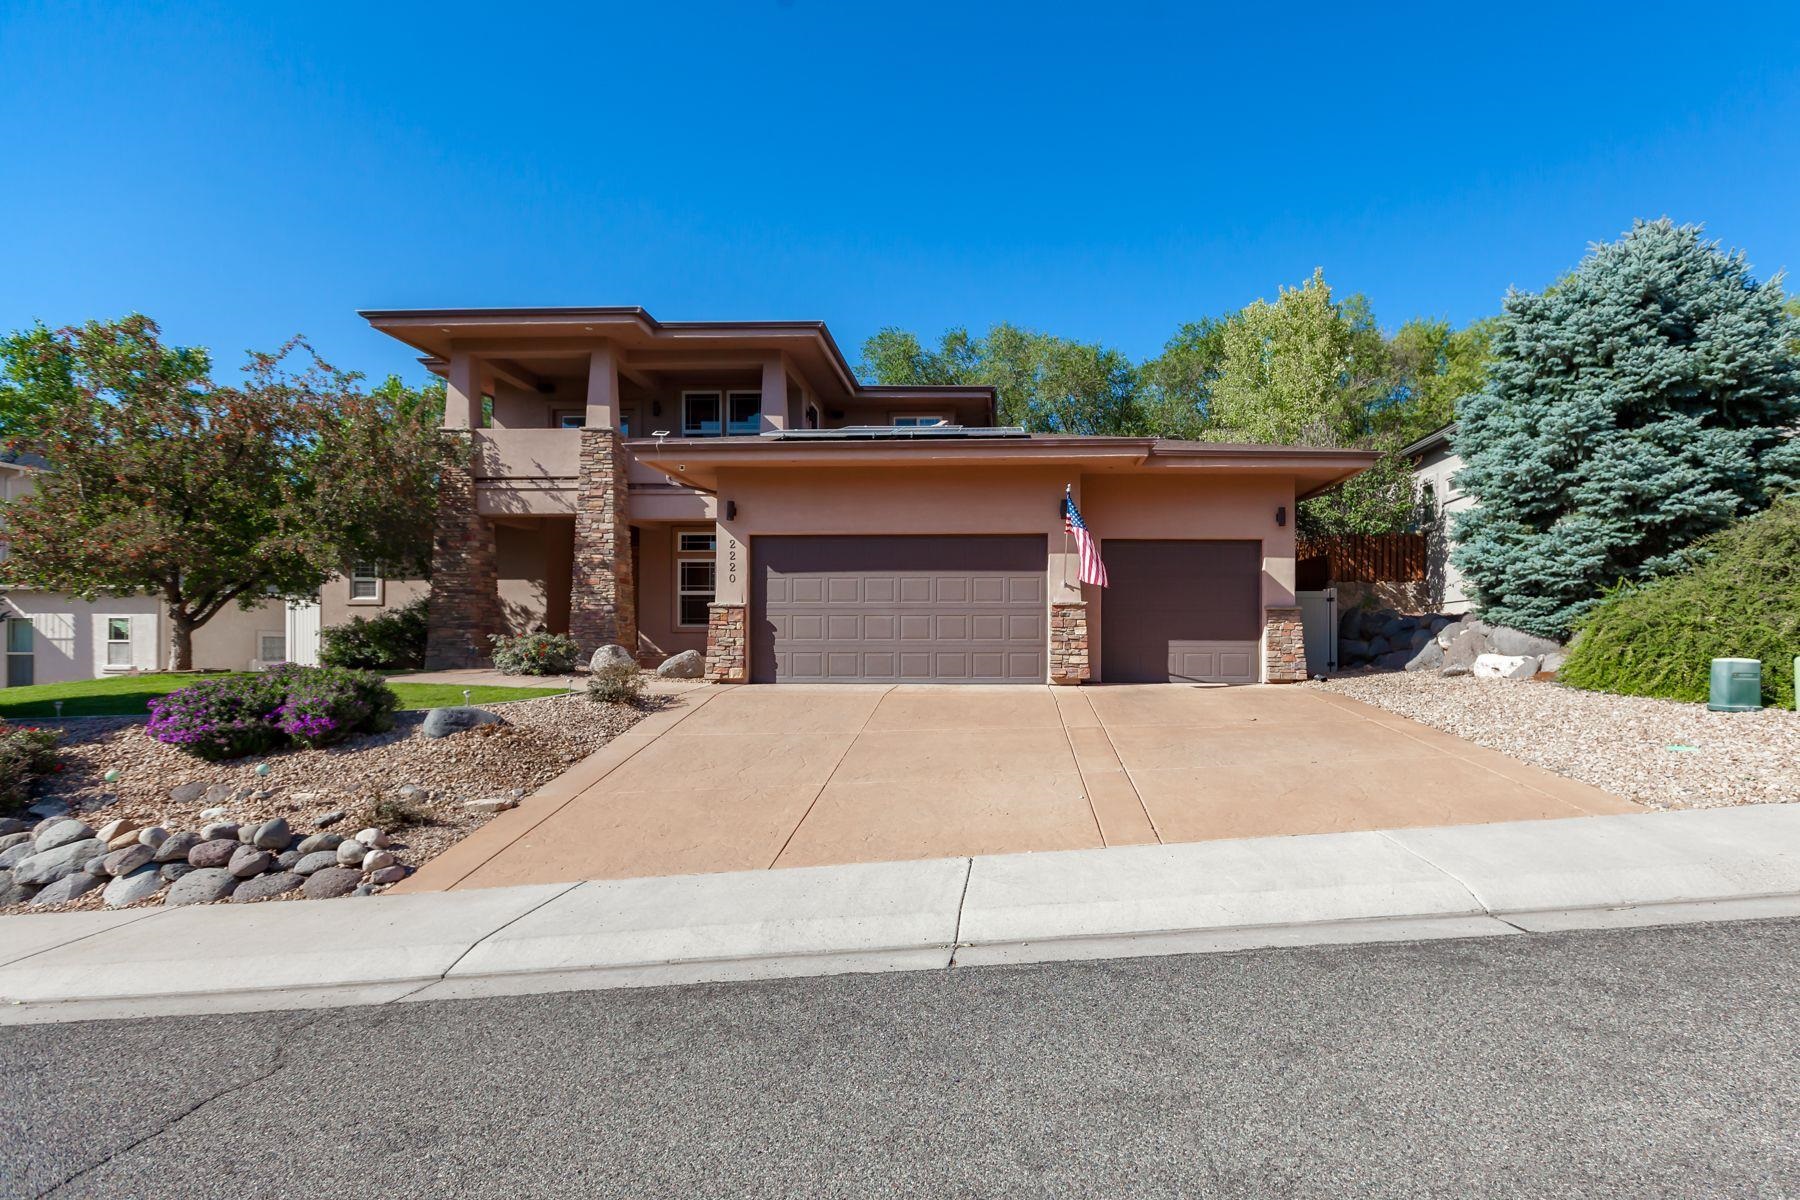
[[1281, 516], [731, 510]]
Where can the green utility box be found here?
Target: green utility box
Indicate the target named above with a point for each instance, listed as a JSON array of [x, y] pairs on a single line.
[[1736, 685]]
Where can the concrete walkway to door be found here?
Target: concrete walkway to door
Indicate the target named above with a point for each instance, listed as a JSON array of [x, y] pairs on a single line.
[[742, 778]]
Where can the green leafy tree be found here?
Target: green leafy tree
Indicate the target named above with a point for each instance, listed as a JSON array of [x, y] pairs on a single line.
[[1045, 383], [166, 483], [1175, 399], [1433, 365], [1647, 400]]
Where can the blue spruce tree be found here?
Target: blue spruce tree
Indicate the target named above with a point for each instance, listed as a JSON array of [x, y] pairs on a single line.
[[1647, 399]]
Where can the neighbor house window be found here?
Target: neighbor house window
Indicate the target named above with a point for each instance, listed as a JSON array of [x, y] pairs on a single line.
[[700, 414], [271, 647], [694, 577], [21, 666], [917, 420], [746, 413], [365, 583], [118, 641]]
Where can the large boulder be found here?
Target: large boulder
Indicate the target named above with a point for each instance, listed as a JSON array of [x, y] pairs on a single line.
[[442, 722], [61, 833], [141, 884], [331, 883], [1351, 651], [689, 664], [68, 888], [1506, 666], [1465, 648], [264, 886], [1516, 642], [11, 891], [201, 886], [609, 656], [177, 846], [214, 853], [1428, 657], [48, 866]]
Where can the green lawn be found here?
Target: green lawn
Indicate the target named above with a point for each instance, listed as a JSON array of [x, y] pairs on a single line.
[[129, 695]]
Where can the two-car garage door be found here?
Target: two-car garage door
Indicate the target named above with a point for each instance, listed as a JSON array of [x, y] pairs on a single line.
[[952, 609], [974, 609]]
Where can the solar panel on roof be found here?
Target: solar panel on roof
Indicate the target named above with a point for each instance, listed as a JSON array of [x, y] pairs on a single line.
[[895, 433]]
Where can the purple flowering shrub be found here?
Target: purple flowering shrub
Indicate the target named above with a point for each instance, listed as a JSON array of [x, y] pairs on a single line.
[[322, 705], [251, 714]]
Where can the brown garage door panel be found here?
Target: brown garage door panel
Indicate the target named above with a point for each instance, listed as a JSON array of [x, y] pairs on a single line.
[[1181, 611], [899, 609]]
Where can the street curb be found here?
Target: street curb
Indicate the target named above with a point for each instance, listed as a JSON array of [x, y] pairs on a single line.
[[1509, 880]]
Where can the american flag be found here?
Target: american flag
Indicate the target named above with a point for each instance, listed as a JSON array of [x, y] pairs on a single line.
[[1092, 569]]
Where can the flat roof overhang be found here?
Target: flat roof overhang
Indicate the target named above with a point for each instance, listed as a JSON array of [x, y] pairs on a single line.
[[436, 332], [698, 461]]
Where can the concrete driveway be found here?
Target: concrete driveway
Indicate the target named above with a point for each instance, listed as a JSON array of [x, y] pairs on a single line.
[[744, 778]]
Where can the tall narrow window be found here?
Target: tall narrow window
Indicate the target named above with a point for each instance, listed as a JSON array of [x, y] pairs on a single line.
[[695, 579], [746, 413], [365, 583], [21, 665], [700, 414], [118, 642]]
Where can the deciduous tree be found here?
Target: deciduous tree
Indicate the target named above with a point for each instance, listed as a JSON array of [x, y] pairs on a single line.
[[164, 482]]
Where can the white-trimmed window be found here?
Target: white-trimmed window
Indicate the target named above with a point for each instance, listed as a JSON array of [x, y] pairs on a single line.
[[695, 576], [118, 643], [919, 420], [365, 584], [700, 414], [271, 646], [744, 413]]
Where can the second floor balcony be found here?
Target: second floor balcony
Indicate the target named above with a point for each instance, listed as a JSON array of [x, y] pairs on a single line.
[[537, 472]]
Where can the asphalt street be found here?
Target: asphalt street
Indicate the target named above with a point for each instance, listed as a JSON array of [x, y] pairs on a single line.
[[1656, 1062]]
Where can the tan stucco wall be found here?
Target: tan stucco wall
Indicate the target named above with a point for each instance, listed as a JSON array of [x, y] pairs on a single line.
[[536, 564], [998, 500], [336, 607]]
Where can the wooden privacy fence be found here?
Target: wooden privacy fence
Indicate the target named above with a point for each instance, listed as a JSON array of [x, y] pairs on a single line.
[[1359, 558]]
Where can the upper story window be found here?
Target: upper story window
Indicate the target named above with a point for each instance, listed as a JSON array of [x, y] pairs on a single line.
[[570, 420], [917, 420], [365, 583], [700, 413]]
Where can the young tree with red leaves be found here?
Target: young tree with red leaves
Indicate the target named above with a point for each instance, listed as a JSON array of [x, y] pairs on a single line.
[[164, 482]]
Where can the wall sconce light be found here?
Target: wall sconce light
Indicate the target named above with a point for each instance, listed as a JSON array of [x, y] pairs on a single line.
[[1281, 515], [731, 510]]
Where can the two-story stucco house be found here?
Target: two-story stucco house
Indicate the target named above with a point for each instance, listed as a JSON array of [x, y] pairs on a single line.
[[51, 637], [732, 487]]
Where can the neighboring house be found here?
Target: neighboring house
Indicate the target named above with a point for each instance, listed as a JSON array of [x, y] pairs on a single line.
[[54, 638], [1435, 463], [731, 487]]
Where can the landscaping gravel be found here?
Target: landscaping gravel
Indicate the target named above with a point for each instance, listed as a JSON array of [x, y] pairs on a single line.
[[401, 784], [1661, 753]]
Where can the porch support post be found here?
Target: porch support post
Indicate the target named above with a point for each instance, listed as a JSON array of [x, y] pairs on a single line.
[[603, 593], [465, 590], [774, 393], [603, 388], [1068, 642], [462, 397]]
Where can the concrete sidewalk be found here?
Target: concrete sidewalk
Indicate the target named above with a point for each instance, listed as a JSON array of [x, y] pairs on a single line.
[[1467, 881]]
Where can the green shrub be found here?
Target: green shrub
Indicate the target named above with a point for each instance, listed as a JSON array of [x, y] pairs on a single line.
[[535, 654], [389, 641], [1741, 601], [27, 753], [616, 683]]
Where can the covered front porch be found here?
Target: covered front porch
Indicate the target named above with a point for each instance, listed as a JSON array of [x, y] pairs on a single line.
[[671, 574]]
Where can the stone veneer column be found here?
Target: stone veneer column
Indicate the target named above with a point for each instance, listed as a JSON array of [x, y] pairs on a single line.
[[1068, 642], [727, 644], [603, 594], [465, 588], [1284, 646]]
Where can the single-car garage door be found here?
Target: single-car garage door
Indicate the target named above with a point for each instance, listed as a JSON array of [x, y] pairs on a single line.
[[1181, 612], [898, 610]]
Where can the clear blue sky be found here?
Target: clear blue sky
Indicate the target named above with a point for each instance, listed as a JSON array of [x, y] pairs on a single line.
[[1102, 171]]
